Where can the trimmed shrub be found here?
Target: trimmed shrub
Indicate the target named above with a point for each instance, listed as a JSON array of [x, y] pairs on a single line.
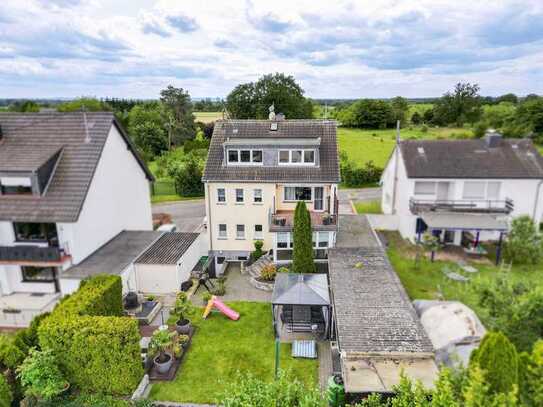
[[353, 176], [257, 253], [98, 350], [100, 295], [11, 355], [268, 272], [6, 397], [302, 253], [498, 359]]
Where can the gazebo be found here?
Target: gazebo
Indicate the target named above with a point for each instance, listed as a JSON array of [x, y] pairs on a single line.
[[301, 303]]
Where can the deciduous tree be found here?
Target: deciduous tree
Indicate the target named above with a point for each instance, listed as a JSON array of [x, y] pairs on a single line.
[[179, 119]]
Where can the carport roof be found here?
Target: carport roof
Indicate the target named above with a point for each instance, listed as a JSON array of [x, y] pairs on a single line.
[[300, 289], [168, 249], [114, 256]]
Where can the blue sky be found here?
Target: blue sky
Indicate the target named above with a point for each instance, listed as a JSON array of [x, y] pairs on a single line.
[[335, 49]]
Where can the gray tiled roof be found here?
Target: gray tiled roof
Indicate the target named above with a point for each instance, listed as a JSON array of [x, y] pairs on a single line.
[[168, 249], [114, 256], [28, 138], [327, 171], [372, 310], [471, 159]]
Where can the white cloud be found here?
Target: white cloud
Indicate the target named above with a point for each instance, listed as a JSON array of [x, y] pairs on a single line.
[[335, 49]]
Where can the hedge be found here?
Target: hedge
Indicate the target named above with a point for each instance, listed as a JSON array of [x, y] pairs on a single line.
[[6, 396], [353, 176], [100, 295], [97, 350]]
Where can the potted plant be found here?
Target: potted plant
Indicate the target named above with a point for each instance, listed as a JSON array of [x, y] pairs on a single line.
[[183, 308], [161, 342], [40, 375], [183, 340], [326, 219]]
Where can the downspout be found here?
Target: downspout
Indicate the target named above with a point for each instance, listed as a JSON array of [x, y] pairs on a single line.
[[537, 199], [209, 227], [396, 164]]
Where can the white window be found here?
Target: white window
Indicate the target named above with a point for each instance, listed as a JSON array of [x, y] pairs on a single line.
[[257, 196], [222, 231], [233, 156], [309, 156], [284, 156], [240, 231], [474, 190], [323, 238], [239, 195], [284, 240], [493, 190], [258, 232], [298, 193], [221, 195], [244, 157], [297, 157], [425, 188]]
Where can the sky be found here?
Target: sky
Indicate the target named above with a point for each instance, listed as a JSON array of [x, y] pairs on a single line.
[[333, 48]]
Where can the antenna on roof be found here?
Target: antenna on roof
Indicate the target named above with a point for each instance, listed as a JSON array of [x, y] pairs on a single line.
[[85, 124], [225, 114]]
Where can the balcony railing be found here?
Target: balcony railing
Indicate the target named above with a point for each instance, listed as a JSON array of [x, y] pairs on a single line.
[[505, 206], [283, 221], [31, 254]]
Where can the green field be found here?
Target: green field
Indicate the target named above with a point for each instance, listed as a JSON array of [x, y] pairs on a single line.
[[362, 146], [368, 207], [221, 349], [207, 117]]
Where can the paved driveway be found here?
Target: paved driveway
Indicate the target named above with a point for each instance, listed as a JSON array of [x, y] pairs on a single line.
[[360, 194], [187, 215]]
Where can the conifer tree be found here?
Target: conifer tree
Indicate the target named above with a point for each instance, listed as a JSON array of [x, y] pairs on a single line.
[[302, 256]]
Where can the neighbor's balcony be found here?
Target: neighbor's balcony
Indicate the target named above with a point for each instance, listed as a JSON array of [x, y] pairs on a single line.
[[283, 221], [31, 255], [461, 205]]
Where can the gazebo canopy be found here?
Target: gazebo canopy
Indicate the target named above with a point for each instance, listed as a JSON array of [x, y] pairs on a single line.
[[301, 289]]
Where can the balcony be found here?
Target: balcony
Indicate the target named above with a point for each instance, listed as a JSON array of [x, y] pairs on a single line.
[[283, 221], [461, 205], [30, 255]]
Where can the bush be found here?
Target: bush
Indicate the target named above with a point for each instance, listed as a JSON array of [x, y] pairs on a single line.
[[257, 253], [98, 350], [6, 396], [188, 176], [286, 391], [524, 244], [531, 372], [11, 356], [41, 376], [196, 144], [424, 128], [498, 359], [353, 176], [268, 272]]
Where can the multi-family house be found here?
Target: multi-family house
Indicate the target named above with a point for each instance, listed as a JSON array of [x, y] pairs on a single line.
[[69, 182], [256, 172], [463, 191]]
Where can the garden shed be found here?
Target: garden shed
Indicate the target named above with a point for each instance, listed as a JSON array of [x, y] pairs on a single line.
[[301, 303]]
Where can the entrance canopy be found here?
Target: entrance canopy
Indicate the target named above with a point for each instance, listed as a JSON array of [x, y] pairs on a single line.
[[301, 289], [463, 221]]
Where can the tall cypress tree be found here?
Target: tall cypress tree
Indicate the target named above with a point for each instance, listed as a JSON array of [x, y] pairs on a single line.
[[302, 257]]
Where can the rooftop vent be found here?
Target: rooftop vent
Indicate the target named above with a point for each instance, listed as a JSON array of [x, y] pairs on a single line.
[[492, 138], [273, 126], [420, 150]]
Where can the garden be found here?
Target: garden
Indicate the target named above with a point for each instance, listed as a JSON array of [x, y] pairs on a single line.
[[222, 349]]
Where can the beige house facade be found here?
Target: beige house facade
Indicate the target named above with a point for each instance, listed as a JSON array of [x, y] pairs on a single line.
[[257, 171]]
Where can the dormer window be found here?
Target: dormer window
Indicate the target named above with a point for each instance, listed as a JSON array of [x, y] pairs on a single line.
[[244, 157], [15, 186], [297, 157]]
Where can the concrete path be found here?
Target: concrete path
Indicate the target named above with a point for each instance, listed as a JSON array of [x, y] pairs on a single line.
[[325, 363], [360, 194], [187, 215], [355, 231]]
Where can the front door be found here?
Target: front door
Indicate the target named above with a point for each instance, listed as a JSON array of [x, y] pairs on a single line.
[[318, 203]]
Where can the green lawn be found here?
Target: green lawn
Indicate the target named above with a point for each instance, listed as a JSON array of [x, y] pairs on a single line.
[[376, 145], [368, 207], [428, 281], [221, 348], [207, 117]]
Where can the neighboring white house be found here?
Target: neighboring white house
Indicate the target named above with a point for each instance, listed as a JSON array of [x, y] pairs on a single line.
[[256, 172], [69, 183], [464, 191]]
